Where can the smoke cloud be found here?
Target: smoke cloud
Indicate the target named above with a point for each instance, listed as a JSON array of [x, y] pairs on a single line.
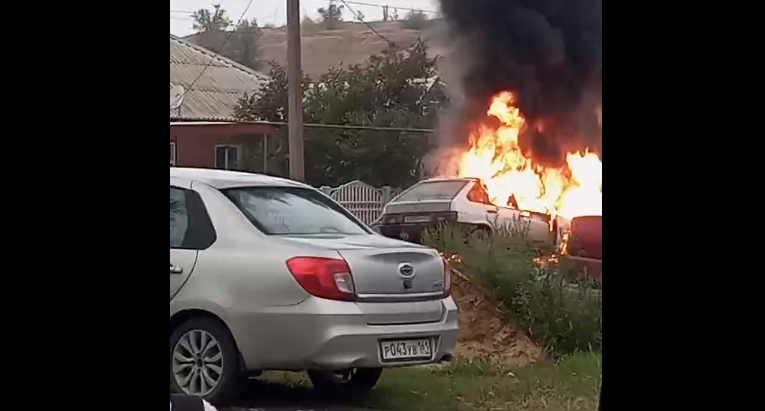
[[548, 53]]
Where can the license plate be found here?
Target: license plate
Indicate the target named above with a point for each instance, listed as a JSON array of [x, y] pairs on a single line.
[[403, 350], [417, 219]]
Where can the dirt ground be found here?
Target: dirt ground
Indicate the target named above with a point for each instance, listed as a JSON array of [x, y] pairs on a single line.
[[486, 330], [353, 43]]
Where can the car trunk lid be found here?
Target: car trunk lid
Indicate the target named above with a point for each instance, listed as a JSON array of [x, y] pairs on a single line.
[[385, 270], [425, 206]]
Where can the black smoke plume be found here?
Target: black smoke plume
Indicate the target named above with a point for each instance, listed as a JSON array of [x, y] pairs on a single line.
[[547, 52]]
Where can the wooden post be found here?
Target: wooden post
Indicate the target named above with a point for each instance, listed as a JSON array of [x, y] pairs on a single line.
[[295, 99], [265, 153]]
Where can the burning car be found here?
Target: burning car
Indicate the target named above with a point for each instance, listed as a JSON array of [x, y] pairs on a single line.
[[463, 201], [496, 180]]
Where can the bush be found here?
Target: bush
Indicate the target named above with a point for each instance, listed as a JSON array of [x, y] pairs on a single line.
[[415, 20], [564, 316]]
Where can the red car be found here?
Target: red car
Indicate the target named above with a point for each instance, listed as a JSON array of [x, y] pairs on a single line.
[[584, 247]]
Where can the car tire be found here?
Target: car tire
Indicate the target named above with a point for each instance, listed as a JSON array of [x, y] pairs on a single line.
[[485, 231], [480, 230], [218, 352], [356, 381]]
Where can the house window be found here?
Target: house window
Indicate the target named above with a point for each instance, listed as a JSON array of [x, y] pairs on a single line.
[[227, 157], [172, 153]]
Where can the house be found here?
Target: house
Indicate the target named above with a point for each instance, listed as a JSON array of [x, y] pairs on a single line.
[[203, 131]]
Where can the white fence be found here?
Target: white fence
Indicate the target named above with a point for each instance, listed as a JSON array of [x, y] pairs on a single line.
[[364, 201]]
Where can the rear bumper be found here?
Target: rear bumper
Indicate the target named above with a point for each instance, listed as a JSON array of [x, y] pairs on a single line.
[[322, 334], [413, 232], [406, 232]]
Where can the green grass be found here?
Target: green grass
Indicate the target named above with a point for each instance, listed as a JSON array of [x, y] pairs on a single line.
[[563, 315], [572, 384]]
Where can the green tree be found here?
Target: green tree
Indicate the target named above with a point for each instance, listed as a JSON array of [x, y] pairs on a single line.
[[331, 16], [210, 20], [384, 92]]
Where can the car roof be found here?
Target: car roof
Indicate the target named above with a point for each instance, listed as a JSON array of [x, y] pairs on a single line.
[[222, 179], [440, 179]]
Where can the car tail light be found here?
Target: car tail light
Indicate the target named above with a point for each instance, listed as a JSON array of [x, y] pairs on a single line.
[[447, 278], [392, 219], [328, 278]]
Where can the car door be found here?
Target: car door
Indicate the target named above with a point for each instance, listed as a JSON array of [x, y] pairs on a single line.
[[508, 217], [182, 259], [522, 220]]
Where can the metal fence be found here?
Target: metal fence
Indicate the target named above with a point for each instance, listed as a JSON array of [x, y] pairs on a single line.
[[363, 200]]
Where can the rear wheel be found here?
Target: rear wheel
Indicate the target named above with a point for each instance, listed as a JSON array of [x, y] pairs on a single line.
[[204, 360], [479, 229], [355, 381]]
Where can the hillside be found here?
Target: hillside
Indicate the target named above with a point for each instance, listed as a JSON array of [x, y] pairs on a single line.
[[486, 331], [351, 43]]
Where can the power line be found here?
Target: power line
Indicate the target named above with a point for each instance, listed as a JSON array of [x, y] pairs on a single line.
[[230, 34], [359, 18], [360, 3], [182, 11], [315, 125], [352, 127]]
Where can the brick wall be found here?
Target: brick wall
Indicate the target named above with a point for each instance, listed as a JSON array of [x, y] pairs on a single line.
[[195, 142]]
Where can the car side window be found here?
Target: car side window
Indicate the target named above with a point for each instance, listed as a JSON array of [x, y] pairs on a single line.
[[179, 217], [478, 195]]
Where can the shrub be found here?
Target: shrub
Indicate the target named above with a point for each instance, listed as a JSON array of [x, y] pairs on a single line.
[[415, 20], [565, 316]]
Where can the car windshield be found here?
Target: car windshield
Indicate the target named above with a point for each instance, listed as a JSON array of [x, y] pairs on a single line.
[[291, 210], [434, 190]]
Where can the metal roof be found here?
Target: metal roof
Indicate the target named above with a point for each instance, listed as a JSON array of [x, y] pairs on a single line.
[[215, 95]]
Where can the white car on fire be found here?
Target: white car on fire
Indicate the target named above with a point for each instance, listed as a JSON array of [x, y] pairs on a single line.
[[463, 201]]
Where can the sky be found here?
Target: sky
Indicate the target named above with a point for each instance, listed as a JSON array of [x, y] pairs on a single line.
[[275, 11]]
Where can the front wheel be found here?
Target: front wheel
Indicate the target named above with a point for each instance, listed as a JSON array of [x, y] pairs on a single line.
[[355, 381]]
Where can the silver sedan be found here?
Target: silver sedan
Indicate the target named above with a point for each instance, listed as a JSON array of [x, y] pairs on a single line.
[[271, 274]]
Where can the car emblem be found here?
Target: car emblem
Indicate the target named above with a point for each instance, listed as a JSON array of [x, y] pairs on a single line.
[[406, 271]]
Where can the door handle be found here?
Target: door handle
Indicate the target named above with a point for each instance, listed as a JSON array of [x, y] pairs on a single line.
[[175, 270], [492, 211]]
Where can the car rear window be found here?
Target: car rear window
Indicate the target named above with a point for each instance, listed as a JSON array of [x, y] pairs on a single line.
[[434, 190], [292, 210]]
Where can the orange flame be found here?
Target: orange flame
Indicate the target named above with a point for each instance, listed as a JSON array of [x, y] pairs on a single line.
[[496, 158]]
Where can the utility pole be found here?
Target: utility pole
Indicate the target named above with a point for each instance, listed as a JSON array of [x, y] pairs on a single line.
[[295, 100]]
